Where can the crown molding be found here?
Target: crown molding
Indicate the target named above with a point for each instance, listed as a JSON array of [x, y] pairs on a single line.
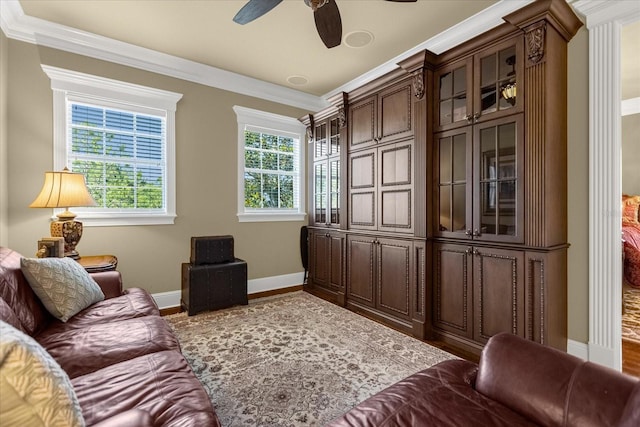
[[473, 26], [16, 25], [19, 26], [603, 11]]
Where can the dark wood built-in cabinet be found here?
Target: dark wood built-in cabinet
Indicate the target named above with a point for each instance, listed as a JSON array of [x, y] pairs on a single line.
[[326, 267], [439, 190]]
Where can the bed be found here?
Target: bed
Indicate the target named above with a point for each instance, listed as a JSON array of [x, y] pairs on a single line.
[[631, 239]]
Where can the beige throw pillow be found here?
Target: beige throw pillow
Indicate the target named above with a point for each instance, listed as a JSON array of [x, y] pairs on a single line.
[[63, 285], [34, 389]]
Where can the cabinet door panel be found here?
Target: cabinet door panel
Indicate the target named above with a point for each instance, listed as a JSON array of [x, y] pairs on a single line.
[[362, 120], [363, 189], [394, 277], [498, 293], [363, 169], [361, 270], [363, 211], [395, 210], [452, 293], [320, 258], [336, 276], [395, 164], [395, 114]]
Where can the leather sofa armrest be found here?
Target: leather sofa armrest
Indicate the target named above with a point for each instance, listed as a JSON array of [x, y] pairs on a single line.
[[130, 418], [110, 282]]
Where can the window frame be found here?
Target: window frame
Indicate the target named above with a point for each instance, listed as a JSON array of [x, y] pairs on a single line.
[[72, 86], [256, 120]]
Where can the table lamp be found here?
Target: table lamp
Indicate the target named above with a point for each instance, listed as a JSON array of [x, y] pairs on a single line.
[[63, 190]]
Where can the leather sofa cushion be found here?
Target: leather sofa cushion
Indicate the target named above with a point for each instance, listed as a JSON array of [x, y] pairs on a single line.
[[134, 303], [439, 396], [110, 282], [85, 350], [17, 293], [631, 415], [8, 316], [161, 384], [597, 398], [548, 386]]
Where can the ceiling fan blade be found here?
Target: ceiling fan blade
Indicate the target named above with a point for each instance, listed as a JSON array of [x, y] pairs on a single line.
[[329, 24], [254, 9]]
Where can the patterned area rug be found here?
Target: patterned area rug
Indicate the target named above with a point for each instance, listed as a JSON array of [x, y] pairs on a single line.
[[631, 315], [294, 360]]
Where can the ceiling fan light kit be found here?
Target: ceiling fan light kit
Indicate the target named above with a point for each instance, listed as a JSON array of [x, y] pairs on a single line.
[[325, 14]]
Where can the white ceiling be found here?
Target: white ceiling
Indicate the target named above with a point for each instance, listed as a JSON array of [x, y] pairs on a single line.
[[282, 43]]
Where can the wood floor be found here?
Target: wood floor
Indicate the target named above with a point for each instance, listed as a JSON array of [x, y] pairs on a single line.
[[631, 357]]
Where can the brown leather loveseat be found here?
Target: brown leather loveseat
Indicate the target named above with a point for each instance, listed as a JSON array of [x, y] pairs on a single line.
[[517, 383], [123, 360]]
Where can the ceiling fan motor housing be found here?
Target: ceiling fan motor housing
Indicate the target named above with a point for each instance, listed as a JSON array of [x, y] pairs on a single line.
[[315, 4]]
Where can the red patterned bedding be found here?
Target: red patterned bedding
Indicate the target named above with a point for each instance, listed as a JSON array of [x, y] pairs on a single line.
[[631, 237]]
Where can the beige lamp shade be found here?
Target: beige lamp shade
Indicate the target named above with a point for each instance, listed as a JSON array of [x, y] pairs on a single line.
[[63, 190]]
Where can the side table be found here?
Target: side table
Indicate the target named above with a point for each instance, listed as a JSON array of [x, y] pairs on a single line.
[[98, 263]]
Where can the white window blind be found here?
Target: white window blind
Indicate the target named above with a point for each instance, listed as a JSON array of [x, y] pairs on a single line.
[[121, 153]]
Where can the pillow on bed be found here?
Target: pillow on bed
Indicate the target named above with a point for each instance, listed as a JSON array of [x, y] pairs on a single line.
[[630, 209], [62, 284]]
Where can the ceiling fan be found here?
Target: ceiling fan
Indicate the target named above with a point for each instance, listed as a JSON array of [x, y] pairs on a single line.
[[325, 13]]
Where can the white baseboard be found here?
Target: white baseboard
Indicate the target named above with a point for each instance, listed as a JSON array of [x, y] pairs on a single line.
[[578, 349], [172, 298]]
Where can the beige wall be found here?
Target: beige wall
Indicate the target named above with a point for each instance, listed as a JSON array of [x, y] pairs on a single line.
[[4, 125], [206, 173], [578, 188], [206, 170], [631, 154]]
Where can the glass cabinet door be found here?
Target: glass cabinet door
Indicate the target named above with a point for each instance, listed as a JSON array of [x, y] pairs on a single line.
[[334, 143], [498, 177], [326, 173], [320, 192], [453, 174], [334, 191], [320, 142], [499, 88], [454, 100]]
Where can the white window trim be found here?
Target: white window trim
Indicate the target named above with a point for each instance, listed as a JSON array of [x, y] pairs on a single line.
[[66, 83], [262, 119]]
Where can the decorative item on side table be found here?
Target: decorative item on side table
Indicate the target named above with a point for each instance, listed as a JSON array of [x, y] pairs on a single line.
[[98, 263], [63, 190], [50, 247]]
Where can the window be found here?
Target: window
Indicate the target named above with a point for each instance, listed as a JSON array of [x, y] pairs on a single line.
[[122, 138], [269, 167]]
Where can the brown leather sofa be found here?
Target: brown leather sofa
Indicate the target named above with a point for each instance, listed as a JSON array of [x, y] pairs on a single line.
[[123, 359], [517, 383]]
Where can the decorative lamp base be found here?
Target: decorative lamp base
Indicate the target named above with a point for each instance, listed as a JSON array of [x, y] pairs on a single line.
[[71, 231]]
